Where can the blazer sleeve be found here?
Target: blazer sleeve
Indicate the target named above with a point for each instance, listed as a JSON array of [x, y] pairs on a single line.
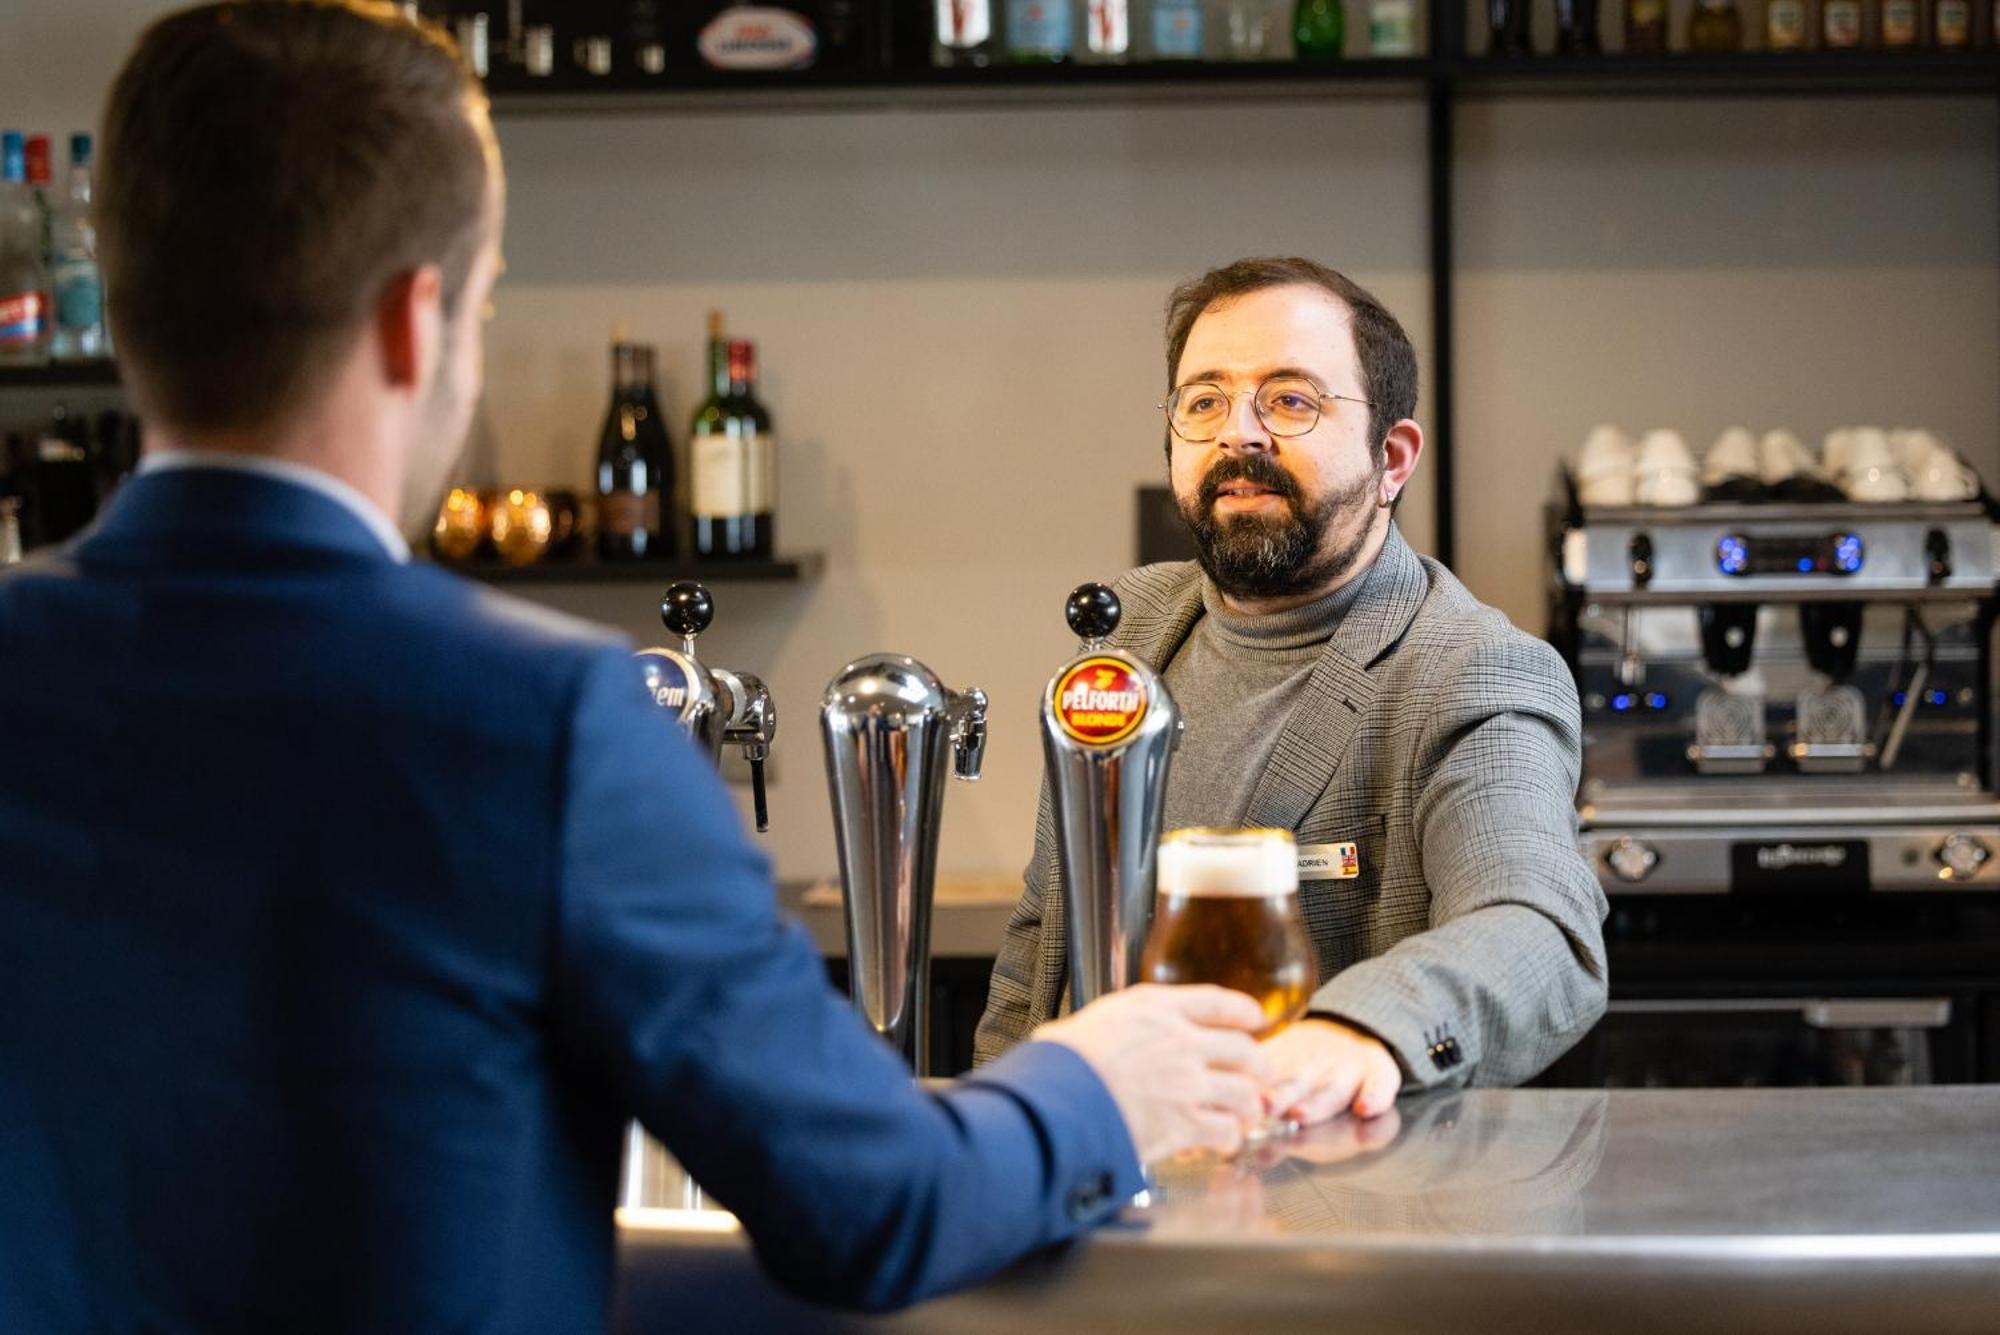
[[680, 986], [1510, 972], [1010, 998]]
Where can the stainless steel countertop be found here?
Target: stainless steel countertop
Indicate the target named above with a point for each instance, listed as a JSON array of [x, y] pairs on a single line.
[[1807, 1212]]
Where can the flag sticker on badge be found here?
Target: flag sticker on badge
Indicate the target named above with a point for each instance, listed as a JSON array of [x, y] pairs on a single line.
[[1329, 862]]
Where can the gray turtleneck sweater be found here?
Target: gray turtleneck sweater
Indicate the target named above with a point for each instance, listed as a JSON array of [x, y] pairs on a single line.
[[1234, 680]]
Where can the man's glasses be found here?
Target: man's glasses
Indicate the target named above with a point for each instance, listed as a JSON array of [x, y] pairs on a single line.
[[1286, 405]]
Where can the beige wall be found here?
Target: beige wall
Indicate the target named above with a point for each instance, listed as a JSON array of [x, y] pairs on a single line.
[[915, 278]]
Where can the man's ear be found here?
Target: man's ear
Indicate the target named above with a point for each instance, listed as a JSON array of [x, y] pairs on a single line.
[[409, 325], [1401, 449]]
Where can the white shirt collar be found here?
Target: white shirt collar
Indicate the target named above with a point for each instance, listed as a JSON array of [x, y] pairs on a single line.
[[283, 470]]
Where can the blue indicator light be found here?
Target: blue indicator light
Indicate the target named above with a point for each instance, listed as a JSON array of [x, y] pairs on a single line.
[[1899, 699], [1936, 698], [1654, 700], [1847, 553], [1621, 702], [1805, 565], [1732, 555]]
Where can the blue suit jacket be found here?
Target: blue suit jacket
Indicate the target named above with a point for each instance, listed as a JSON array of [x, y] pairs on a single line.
[[347, 910]]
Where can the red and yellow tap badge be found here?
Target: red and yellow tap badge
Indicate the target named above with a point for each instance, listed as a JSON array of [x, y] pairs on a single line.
[[1101, 701]]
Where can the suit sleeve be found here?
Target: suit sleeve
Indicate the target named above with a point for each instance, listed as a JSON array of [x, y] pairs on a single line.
[[1010, 997], [707, 1013], [1510, 973]]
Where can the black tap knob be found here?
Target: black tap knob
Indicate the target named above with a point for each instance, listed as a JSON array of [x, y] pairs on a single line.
[[687, 609], [1093, 611]]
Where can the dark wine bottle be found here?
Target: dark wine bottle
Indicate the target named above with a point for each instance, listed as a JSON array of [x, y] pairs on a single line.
[[632, 457]]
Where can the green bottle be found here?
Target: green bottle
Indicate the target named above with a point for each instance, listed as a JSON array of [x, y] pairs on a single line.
[[1319, 28]]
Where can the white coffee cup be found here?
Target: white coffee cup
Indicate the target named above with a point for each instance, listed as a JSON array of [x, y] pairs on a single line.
[[1734, 454]]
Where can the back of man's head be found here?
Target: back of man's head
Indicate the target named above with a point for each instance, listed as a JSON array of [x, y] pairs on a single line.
[[268, 166]]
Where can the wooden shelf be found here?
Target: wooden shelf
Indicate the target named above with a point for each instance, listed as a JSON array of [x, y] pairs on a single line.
[[1746, 73], [60, 375], [787, 569]]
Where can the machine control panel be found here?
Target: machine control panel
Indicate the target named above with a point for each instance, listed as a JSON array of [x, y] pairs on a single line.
[[1631, 860], [1740, 554], [1962, 856]]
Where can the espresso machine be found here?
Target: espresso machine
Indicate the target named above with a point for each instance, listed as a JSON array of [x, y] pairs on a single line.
[[1790, 790], [715, 707], [892, 729], [1109, 729]]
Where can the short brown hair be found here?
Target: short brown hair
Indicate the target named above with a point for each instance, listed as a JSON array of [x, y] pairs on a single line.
[[1388, 362], [268, 167]]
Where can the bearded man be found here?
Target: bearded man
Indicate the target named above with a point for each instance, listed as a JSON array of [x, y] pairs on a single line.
[[1335, 683]]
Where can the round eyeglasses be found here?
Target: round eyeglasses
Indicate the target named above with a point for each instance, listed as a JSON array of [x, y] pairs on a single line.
[[1287, 405]]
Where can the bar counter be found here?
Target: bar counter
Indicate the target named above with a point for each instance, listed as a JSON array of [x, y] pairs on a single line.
[[1551, 1211]]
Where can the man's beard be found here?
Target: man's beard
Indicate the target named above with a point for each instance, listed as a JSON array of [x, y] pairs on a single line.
[[1254, 556]]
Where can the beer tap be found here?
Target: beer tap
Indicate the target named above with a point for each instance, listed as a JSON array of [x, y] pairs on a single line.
[[715, 707], [1109, 729], [888, 722]]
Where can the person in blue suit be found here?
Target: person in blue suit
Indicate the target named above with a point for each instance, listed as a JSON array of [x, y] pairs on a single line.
[[348, 909]]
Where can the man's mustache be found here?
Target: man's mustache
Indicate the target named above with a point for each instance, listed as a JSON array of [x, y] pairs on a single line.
[[1256, 469]]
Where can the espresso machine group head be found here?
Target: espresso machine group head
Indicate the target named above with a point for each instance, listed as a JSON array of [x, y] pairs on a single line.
[[891, 729], [715, 707], [1109, 728]]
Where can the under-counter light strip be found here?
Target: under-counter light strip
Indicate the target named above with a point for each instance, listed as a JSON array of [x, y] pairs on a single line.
[[677, 1220]]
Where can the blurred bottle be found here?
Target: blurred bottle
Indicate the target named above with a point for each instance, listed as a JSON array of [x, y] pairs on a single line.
[[1576, 28], [63, 479], [1902, 24], [1177, 30], [1107, 31], [1785, 25], [1715, 26], [1840, 24], [40, 175], [1509, 22], [77, 285], [24, 280], [1319, 29], [630, 481], [732, 455], [1645, 25], [1039, 31], [1392, 27], [962, 33], [1951, 24]]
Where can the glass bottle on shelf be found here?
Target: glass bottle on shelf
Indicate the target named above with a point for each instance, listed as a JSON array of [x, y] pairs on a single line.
[[1785, 25], [1392, 27], [646, 34], [1715, 26], [1039, 31], [74, 279], [1249, 29], [1319, 29], [1645, 26], [1508, 20], [25, 325], [1902, 24], [1951, 24], [732, 457], [1177, 30], [962, 33], [1576, 28], [1840, 24], [630, 482], [1107, 31]]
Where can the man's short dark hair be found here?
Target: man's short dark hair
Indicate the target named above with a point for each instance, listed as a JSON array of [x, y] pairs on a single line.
[[268, 166], [1388, 362]]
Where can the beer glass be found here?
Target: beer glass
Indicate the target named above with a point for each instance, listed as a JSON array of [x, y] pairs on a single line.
[[1227, 912]]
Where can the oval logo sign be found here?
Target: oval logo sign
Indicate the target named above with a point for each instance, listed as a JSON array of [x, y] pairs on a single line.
[[668, 678], [1100, 701], [751, 37]]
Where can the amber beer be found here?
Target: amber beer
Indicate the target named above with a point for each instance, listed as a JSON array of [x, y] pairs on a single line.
[[1227, 913]]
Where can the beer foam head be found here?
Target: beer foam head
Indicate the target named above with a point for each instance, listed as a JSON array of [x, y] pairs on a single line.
[[1248, 864]]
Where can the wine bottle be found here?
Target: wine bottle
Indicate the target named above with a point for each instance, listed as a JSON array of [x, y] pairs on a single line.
[[630, 480], [733, 457]]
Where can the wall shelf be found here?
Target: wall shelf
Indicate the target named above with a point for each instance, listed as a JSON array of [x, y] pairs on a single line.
[[787, 569], [60, 375]]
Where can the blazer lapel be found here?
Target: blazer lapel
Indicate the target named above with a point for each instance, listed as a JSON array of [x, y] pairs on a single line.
[[1324, 719]]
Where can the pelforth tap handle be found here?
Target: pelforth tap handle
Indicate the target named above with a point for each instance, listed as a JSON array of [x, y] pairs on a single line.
[[687, 610], [1109, 728], [891, 730]]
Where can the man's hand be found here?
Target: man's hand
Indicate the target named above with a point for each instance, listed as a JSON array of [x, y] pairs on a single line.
[[1324, 1069], [1179, 1062]]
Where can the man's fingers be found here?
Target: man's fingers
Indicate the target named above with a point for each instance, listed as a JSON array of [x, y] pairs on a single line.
[[1377, 1094], [1217, 1007], [1238, 1095], [1230, 1050], [1216, 1132]]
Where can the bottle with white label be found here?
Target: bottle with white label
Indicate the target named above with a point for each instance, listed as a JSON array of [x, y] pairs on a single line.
[[732, 458], [1840, 24], [1785, 25], [1902, 23], [962, 33], [1952, 24], [1039, 31], [1392, 27], [1177, 30], [1107, 31]]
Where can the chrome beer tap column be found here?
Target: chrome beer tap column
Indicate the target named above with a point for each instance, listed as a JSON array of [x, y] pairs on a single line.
[[889, 723], [716, 707], [1109, 729]]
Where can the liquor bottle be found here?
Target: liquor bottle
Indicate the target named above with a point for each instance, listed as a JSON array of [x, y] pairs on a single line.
[[1177, 29], [646, 31], [1038, 31], [74, 279], [1715, 26], [1509, 22], [1952, 24], [40, 174], [630, 481], [63, 479], [1840, 24], [1645, 25], [732, 455], [1576, 28], [24, 283], [962, 33], [1785, 25], [1902, 24], [1392, 27], [1107, 31], [1319, 29]]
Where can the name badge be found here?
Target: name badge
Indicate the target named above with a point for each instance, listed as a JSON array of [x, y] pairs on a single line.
[[1329, 862]]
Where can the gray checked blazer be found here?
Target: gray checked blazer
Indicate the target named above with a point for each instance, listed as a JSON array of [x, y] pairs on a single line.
[[1446, 744]]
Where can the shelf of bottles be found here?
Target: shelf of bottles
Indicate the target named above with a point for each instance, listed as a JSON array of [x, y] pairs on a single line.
[[589, 570], [550, 55]]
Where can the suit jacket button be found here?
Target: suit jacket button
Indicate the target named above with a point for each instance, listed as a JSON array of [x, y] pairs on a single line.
[[1089, 1197]]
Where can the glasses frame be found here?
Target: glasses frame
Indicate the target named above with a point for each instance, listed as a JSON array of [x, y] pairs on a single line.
[[1318, 415]]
